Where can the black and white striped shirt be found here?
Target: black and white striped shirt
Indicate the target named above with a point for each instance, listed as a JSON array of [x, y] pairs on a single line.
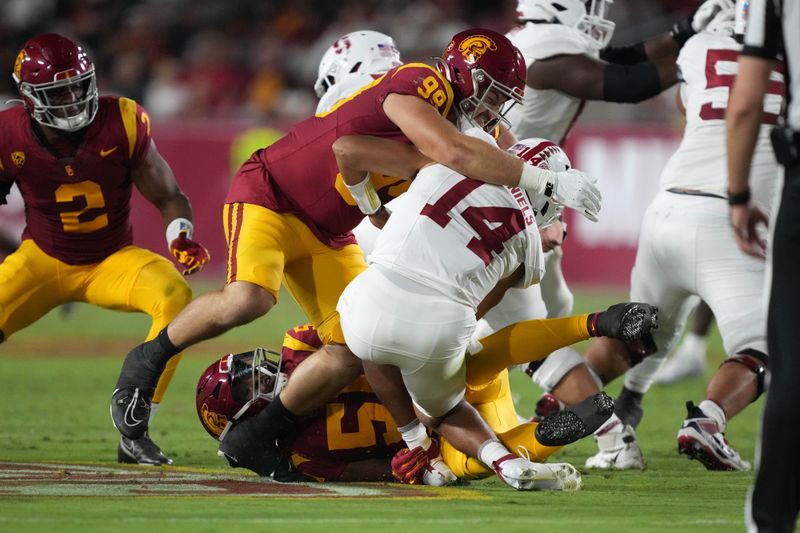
[[773, 30]]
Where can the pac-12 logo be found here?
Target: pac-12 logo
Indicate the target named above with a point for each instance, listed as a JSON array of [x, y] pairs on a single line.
[[472, 48]]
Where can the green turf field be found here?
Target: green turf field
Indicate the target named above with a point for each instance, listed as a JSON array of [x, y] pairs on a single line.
[[58, 376]]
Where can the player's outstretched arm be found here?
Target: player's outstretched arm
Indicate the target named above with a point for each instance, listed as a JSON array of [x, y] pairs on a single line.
[[155, 180], [357, 154]]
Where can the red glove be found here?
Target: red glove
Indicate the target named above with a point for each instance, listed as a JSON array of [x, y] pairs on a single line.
[[409, 465], [189, 253]]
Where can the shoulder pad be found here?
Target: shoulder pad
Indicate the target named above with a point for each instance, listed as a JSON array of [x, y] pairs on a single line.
[[541, 41]]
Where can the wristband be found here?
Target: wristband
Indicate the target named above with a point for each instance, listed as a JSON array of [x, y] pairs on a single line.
[[535, 179], [739, 198], [178, 226], [365, 195]]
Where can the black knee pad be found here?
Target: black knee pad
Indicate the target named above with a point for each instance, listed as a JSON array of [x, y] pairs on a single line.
[[757, 362]]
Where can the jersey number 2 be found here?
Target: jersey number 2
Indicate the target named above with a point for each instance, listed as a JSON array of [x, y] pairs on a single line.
[[494, 225], [88, 218]]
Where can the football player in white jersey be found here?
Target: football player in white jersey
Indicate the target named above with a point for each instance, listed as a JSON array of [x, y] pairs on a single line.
[[565, 46], [410, 316], [686, 250], [351, 62]]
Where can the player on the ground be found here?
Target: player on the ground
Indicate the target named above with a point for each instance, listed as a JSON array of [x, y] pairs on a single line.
[[75, 158], [353, 437], [565, 45], [289, 215], [686, 250]]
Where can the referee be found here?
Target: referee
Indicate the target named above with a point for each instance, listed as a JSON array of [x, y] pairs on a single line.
[[773, 33]]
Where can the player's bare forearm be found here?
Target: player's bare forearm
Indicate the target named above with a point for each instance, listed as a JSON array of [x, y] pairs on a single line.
[[155, 180], [357, 154], [661, 46], [743, 118], [438, 139], [368, 470]]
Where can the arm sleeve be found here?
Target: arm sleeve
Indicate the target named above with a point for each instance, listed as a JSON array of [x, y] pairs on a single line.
[[624, 55], [534, 259], [630, 83], [763, 35]]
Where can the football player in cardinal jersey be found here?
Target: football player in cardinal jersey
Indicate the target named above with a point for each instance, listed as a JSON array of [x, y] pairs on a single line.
[[289, 215], [565, 45], [686, 249], [75, 158]]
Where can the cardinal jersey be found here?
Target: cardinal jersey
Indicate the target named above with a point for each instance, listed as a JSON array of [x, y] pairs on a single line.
[[460, 236], [353, 426], [547, 113], [298, 174], [77, 208], [708, 66]]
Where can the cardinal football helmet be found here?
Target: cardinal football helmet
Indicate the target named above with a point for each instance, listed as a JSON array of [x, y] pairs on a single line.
[[487, 74], [367, 52], [543, 154], [237, 386], [56, 80], [572, 13]]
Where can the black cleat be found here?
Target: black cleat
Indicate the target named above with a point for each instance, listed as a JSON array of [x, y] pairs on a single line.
[[625, 322], [575, 422], [130, 401], [244, 447], [142, 451], [130, 412]]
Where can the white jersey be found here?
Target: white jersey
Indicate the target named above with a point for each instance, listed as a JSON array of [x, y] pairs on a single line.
[[708, 66], [344, 88], [460, 236], [548, 114]]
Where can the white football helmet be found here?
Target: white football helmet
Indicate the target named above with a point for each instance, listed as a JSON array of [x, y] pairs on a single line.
[[548, 155], [572, 13], [365, 51]]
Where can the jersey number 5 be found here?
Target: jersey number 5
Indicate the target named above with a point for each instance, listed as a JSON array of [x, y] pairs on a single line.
[[494, 225], [88, 218], [713, 80]]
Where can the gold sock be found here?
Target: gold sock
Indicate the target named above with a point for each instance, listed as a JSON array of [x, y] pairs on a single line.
[[524, 342]]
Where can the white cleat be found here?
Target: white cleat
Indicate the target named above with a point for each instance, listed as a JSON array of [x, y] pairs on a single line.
[[522, 474], [438, 474], [701, 439], [617, 448]]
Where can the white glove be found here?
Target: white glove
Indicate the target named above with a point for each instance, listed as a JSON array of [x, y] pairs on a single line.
[[577, 190], [707, 11]]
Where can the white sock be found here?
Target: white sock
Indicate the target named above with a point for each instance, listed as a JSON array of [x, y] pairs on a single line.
[[714, 412], [490, 451], [153, 410], [414, 434]]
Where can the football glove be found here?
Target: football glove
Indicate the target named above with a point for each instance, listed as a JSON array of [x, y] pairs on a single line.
[[578, 191], [409, 465], [189, 253]]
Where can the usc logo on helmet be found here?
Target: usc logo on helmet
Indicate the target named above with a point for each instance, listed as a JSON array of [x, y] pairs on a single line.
[[18, 63], [213, 421], [473, 47]]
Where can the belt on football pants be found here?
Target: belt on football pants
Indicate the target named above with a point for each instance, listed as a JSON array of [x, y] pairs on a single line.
[[694, 192]]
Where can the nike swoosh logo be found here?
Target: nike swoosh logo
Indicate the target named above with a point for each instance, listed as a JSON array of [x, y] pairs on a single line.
[[104, 153]]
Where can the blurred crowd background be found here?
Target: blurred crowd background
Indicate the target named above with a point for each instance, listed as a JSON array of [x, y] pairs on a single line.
[[256, 60]]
